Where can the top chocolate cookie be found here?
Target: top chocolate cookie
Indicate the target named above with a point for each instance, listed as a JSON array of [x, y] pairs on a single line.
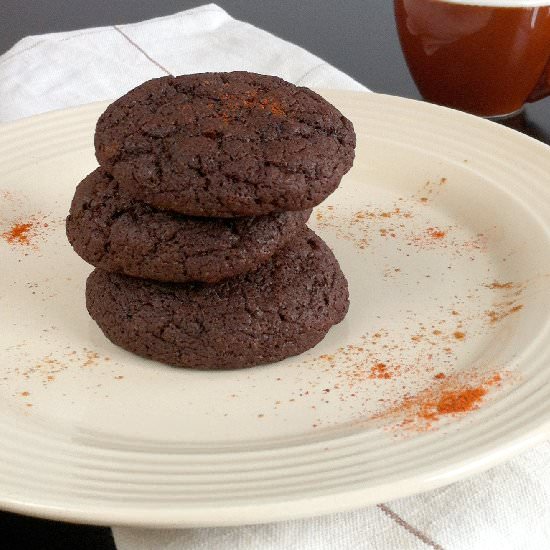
[[225, 144]]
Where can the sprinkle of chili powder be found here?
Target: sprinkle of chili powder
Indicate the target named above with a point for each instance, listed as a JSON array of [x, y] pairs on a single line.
[[460, 401], [496, 316], [497, 285], [274, 106], [436, 233], [451, 396], [380, 370], [18, 233], [428, 407], [232, 104]]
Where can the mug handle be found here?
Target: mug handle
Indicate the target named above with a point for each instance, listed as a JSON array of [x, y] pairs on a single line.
[[542, 89]]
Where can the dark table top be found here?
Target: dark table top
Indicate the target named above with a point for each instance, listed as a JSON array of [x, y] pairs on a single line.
[[356, 36]]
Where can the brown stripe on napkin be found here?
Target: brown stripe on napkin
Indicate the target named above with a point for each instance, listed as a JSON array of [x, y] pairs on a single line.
[[407, 526], [164, 69]]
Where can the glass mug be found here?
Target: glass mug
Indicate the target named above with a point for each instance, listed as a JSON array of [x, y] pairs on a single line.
[[486, 57]]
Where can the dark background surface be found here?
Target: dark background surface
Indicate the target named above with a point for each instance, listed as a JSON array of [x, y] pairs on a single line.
[[357, 36]]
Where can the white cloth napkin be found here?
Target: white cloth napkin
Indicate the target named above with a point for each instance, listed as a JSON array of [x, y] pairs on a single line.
[[52, 71], [507, 508]]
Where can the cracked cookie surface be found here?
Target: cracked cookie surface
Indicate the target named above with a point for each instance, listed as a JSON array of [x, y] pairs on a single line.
[[282, 309], [225, 144], [111, 230]]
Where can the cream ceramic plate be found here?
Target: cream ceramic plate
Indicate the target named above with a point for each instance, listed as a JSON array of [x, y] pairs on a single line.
[[443, 230]]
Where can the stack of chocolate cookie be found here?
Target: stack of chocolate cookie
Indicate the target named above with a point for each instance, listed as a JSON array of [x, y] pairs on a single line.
[[195, 220]]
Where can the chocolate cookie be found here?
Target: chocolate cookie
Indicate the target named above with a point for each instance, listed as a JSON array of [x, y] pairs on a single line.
[[282, 309], [111, 230], [225, 144]]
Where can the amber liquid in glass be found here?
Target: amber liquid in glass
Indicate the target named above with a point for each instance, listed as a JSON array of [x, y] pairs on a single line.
[[483, 60]]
